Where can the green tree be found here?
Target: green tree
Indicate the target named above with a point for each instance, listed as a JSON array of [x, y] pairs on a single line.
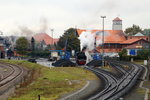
[[146, 32], [48, 47], [70, 39], [22, 45], [133, 30], [122, 54], [143, 54]]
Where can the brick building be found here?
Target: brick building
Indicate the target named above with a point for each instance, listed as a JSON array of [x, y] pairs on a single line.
[[2, 48]]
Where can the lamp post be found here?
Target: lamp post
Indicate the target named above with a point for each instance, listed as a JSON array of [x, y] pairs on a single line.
[[103, 41], [52, 35]]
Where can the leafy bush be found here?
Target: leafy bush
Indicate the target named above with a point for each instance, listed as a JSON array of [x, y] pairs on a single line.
[[141, 55], [39, 54]]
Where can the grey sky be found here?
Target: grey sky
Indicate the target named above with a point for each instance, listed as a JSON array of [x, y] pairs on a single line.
[[63, 14]]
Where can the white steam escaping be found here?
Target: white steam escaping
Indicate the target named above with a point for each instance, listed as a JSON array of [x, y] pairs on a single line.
[[89, 57], [87, 39]]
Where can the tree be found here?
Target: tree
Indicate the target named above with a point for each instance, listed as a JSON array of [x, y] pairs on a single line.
[[133, 30], [69, 40], [146, 32], [22, 45], [49, 47], [143, 54], [122, 54]]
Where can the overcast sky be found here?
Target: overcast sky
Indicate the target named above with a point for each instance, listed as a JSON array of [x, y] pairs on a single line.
[[40, 15]]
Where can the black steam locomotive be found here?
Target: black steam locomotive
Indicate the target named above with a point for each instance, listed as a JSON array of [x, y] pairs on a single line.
[[81, 58]]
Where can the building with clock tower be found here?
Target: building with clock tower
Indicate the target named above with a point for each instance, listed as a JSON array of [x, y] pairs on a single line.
[[117, 24]]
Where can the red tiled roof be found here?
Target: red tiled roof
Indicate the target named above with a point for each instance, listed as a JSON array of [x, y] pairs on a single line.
[[117, 19], [130, 41], [43, 36], [113, 36], [56, 40]]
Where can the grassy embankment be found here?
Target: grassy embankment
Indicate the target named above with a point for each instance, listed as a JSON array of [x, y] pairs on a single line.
[[50, 84]]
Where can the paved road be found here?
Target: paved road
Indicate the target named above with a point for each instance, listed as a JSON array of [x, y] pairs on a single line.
[[44, 62]]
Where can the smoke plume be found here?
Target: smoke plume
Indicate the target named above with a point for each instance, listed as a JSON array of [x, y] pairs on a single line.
[[43, 25], [25, 31], [29, 31]]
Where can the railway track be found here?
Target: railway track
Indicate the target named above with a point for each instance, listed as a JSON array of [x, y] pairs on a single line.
[[11, 76], [110, 83], [6, 71], [115, 88]]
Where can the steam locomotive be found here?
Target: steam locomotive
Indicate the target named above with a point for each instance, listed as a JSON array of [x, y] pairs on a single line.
[[65, 60], [81, 58]]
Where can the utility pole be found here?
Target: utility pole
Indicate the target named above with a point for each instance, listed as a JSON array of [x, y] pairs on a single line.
[[103, 41]]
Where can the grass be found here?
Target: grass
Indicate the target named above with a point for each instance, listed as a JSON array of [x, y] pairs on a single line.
[[140, 91], [136, 93], [146, 84], [50, 84], [139, 62]]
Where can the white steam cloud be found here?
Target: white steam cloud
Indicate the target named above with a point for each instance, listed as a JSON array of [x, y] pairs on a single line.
[[87, 38]]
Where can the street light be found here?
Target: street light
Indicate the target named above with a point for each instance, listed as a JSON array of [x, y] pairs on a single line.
[[103, 41], [52, 35]]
